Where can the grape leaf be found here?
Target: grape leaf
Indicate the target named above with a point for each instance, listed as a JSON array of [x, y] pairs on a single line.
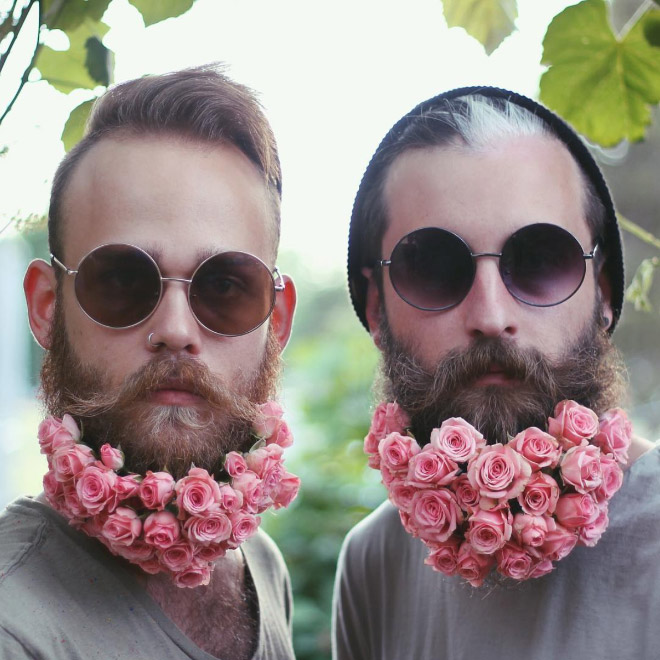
[[154, 12]]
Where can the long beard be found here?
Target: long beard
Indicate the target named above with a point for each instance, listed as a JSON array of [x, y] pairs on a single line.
[[591, 372], [156, 437]]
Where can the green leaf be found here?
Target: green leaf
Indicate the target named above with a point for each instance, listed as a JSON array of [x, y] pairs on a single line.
[[488, 21], [602, 85], [99, 61], [66, 70], [67, 15], [651, 28], [638, 291], [75, 125], [154, 12]]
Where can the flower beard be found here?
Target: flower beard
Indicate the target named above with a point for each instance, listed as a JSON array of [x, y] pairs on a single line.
[[591, 372], [157, 437]]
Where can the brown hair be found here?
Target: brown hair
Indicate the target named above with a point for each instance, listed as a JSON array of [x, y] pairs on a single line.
[[200, 104]]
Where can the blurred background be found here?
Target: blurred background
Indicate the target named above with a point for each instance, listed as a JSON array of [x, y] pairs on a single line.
[[333, 78]]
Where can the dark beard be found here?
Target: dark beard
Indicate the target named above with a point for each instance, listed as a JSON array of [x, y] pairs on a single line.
[[591, 373], [157, 437]]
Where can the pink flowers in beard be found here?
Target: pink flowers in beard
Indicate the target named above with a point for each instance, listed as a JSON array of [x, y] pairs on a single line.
[[387, 418], [122, 527], [572, 424], [156, 490], [473, 566], [68, 461], [576, 510], [488, 531], [435, 514], [244, 525], [540, 495], [457, 439], [499, 472], [395, 452], [287, 491], [444, 556], [214, 527], [430, 467], [614, 434], [540, 449], [580, 468], [612, 478], [55, 433], [112, 457], [197, 493], [196, 575], [161, 530], [96, 489]]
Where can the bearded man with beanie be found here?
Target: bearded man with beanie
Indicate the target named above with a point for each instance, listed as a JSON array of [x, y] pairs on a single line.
[[523, 515]]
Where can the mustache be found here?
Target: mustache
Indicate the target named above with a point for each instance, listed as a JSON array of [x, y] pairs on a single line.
[[161, 372]]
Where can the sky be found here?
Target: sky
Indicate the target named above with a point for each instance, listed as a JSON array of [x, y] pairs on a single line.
[[333, 77]]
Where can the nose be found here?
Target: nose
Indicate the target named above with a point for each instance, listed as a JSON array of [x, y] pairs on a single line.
[[489, 310], [173, 325]]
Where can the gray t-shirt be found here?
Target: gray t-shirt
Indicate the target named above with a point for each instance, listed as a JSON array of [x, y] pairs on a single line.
[[63, 596], [601, 603]]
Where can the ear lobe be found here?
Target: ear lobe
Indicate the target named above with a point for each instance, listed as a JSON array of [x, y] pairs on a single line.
[[282, 316], [373, 307], [605, 299], [40, 287]]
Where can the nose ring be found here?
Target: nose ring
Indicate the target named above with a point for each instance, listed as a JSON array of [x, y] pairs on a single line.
[[157, 344]]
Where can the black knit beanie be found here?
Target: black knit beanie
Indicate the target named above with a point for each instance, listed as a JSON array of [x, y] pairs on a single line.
[[610, 239]]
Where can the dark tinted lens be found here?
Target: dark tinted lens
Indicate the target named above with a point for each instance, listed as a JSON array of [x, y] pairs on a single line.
[[118, 285], [232, 293], [431, 269], [542, 265]]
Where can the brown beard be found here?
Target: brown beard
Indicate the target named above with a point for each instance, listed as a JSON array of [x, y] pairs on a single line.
[[591, 372], [157, 437]]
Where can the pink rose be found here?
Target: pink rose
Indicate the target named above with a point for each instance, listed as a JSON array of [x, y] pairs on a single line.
[[499, 472], [388, 418], [151, 565], [198, 492], [430, 467], [443, 557], [542, 567], [127, 486], [401, 494], [396, 450], [580, 468], [488, 531], [539, 448], [72, 502], [267, 419], [457, 439], [243, 525], [122, 527], [532, 530], [590, 534], [473, 566], [558, 543], [178, 556], [138, 551], [467, 495], [198, 574], [235, 464], [612, 478], [112, 457], [540, 495], [55, 433], [96, 489], [266, 463], [282, 436], [69, 460], [252, 489], [575, 510], [52, 487], [230, 499], [287, 491], [210, 552], [514, 562], [156, 490], [435, 514], [614, 434], [572, 424], [213, 527], [161, 529]]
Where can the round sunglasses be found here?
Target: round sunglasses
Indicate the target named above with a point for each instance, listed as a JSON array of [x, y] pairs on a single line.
[[120, 286], [541, 265]]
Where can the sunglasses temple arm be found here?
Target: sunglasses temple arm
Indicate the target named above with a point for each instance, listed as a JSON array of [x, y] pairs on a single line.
[[57, 262], [278, 281]]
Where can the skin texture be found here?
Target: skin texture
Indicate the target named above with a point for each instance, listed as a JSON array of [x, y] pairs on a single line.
[[484, 196], [179, 201]]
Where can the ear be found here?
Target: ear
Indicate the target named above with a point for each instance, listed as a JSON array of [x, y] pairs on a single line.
[[373, 308], [285, 306], [40, 288], [605, 299]]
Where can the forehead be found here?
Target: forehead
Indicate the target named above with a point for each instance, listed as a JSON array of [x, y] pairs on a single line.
[[173, 196], [485, 194]]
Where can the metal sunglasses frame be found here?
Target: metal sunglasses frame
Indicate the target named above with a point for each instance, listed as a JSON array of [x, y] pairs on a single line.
[[476, 255], [276, 278]]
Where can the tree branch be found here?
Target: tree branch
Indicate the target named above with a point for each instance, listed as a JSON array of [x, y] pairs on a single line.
[[638, 231], [26, 73], [8, 22], [16, 31]]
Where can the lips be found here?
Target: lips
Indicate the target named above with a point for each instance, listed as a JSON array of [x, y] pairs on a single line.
[[496, 375], [175, 393]]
